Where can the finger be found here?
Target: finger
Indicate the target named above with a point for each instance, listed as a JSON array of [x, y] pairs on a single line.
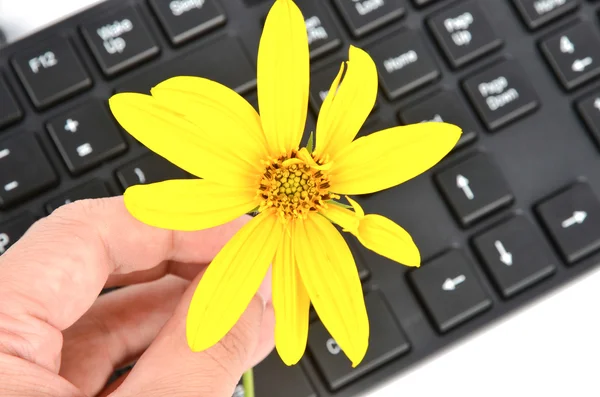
[[116, 330], [187, 271], [52, 276], [170, 368]]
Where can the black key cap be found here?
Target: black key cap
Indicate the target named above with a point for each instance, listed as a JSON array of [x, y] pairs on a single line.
[[536, 13], [185, 20], [364, 16], [24, 169], [464, 32], [372, 126], [149, 168], [223, 60], [323, 36], [450, 290], [573, 219], [273, 378], [90, 190], [86, 136], [421, 3], [404, 63], [13, 229], [474, 188], [386, 342], [51, 72], [9, 109], [445, 106], [574, 54], [589, 109], [501, 94], [119, 40], [320, 82], [516, 255]]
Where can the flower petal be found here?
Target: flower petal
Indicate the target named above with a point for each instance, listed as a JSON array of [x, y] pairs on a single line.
[[390, 157], [283, 77], [165, 131], [346, 107], [291, 304], [331, 279], [231, 280], [188, 204], [221, 114], [377, 233]]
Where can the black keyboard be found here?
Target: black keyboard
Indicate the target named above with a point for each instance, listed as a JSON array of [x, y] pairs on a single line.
[[512, 213]]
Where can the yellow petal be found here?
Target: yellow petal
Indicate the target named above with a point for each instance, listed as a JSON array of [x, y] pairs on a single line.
[[346, 107], [331, 279], [231, 280], [283, 77], [165, 131], [390, 157], [342, 216], [291, 304], [188, 204], [385, 237], [223, 116]]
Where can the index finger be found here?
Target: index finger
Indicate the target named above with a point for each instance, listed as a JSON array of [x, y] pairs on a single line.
[[57, 270]]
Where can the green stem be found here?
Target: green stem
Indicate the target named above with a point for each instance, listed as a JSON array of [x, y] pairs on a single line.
[[248, 382]]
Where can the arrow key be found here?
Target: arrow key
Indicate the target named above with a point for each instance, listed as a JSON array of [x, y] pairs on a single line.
[[450, 290], [516, 255], [574, 54], [573, 220], [474, 188]]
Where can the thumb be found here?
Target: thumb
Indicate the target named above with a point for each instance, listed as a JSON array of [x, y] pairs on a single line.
[[170, 368]]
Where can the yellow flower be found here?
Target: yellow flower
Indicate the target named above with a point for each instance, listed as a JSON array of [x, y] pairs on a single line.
[[251, 162]]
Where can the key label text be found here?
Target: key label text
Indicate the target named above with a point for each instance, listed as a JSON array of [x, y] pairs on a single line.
[[394, 64], [505, 256], [451, 283], [315, 30], [4, 240], [44, 61], [367, 6], [182, 6], [577, 218], [457, 27]]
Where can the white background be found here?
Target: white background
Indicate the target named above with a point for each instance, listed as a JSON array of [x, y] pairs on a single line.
[[549, 349]]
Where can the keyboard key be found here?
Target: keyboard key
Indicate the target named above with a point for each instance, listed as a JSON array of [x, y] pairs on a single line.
[[273, 378], [51, 72], [9, 109], [501, 94], [119, 40], [223, 60], [474, 189], [573, 220], [24, 169], [450, 290], [386, 342], [589, 109], [149, 168], [90, 190], [445, 106], [364, 16], [86, 136], [323, 36], [186, 20], [536, 13], [516, 255], [574, 54], [464, 32], [404, 63], [13, 229]]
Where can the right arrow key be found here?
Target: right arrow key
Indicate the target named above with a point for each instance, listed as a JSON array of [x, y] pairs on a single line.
[[573, 220]]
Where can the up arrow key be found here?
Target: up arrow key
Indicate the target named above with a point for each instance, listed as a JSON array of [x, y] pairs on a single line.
[[463, 184]]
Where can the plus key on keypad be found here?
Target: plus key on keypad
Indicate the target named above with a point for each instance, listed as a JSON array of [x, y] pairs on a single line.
[[573, 220], [86, 136], [464, 32], [404, 63], [119, 40], [474, 188], [574, 54], [450, 290], [501, 94]]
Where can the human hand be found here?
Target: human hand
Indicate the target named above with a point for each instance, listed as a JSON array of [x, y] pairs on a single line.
[[57, 338]]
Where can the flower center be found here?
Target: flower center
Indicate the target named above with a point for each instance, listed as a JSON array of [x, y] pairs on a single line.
[[293, 188]]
